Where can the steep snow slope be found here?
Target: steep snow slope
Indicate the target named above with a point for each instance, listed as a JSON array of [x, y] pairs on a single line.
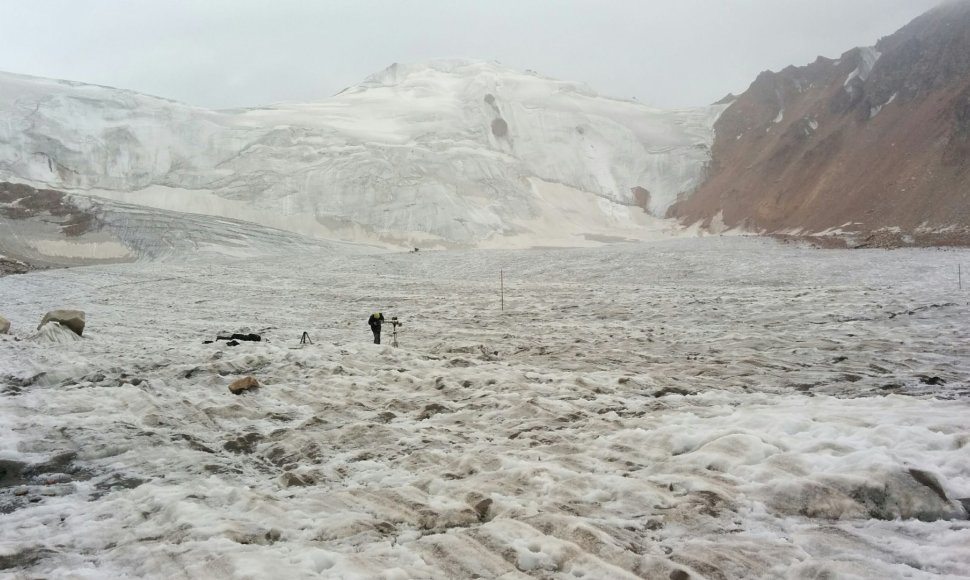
[[453, 152]]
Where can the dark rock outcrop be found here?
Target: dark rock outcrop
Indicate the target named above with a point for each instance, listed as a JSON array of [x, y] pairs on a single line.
[[19, 201], [250, 337]]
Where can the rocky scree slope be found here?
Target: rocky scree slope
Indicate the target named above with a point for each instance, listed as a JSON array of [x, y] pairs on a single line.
[[878, 139]]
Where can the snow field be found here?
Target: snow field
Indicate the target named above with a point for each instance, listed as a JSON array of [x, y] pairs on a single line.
[[723, 407]]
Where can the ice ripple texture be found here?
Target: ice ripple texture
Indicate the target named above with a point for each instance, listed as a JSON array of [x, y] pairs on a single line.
[[715, 408]]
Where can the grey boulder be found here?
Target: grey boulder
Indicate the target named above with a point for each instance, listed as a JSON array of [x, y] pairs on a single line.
[[4, 325], [73, 319]]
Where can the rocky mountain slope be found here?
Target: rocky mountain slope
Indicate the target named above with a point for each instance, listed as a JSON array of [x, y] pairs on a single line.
[[452, 153], [878, 139]]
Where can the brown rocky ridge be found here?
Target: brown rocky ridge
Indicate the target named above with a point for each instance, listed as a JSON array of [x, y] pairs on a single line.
[[23, 203], [872, 148], [19, 201]]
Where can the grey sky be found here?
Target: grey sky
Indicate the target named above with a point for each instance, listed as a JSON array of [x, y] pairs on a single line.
[[224, 53]]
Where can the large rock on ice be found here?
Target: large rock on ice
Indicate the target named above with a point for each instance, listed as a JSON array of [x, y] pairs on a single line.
[[243, 385], [73, 319], [4, 325]]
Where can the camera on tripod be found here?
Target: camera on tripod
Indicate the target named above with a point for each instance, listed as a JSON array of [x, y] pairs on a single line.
[[395, 322]]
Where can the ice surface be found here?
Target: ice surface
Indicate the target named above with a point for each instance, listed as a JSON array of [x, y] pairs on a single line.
[[727, 407]]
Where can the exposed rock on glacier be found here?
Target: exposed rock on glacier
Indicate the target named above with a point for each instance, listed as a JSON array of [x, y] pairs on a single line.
[[71, 319], [242, 385]]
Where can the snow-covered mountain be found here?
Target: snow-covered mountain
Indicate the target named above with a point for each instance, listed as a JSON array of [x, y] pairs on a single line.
[[449, 153]]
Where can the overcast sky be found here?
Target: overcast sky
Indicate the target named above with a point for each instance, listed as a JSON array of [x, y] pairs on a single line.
[[226, 53]]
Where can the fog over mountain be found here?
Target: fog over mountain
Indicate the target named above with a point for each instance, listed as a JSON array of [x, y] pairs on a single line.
[[220, 54]]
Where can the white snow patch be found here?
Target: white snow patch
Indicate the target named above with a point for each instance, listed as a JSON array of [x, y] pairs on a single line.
[[869, 56], [876, 109]]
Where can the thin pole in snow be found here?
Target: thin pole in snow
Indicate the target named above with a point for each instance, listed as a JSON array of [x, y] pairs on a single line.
[[501, 282], [960, 276]]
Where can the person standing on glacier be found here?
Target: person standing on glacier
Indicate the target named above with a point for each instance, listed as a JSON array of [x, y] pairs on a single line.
[[375, 322]]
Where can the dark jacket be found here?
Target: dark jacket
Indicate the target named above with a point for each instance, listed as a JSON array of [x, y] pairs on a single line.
[[375, 321]]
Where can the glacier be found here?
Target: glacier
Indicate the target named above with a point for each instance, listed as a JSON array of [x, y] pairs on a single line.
[[690, 408], [452, 153], [721, 407]]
